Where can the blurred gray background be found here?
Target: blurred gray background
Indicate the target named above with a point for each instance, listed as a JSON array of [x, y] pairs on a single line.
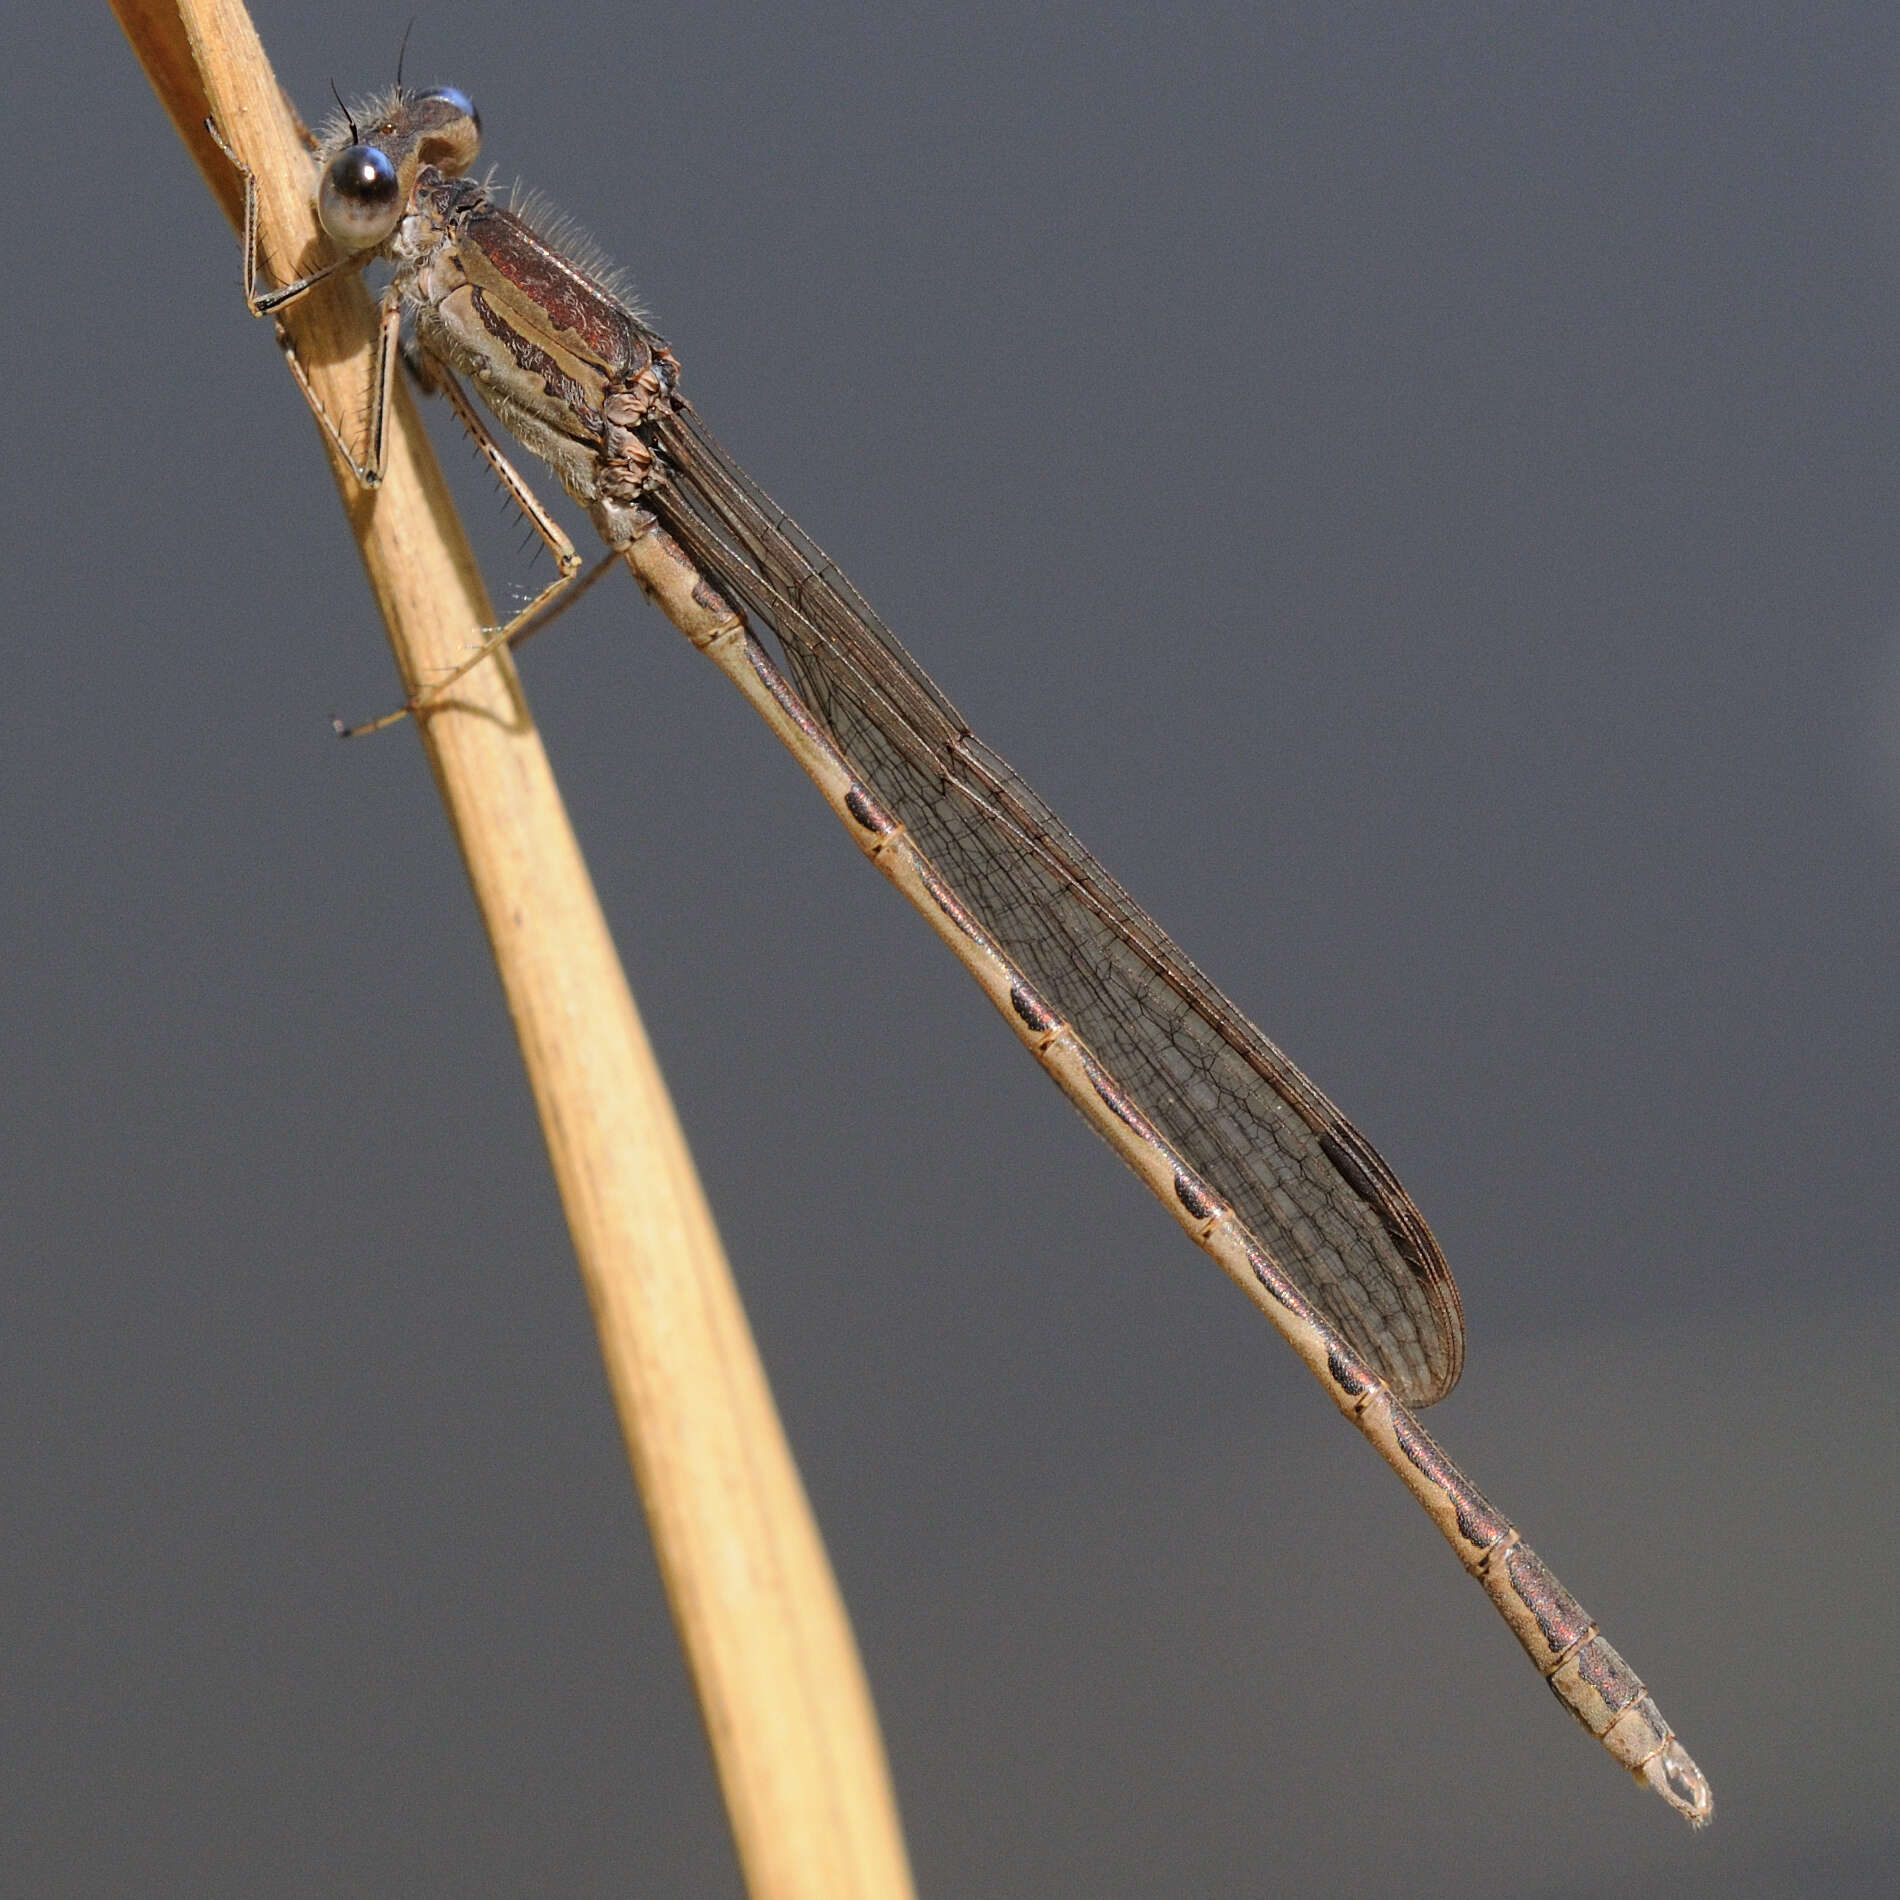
[[1416, 487]]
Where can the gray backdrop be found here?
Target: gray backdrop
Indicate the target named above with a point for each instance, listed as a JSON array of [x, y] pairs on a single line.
[[1415, 486]]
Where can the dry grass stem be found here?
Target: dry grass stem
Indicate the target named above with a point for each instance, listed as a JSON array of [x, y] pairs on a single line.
[[771, 1654]]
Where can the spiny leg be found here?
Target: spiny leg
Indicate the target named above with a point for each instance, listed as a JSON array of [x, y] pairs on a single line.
[[436, 377], [368, 472], [541, 622]]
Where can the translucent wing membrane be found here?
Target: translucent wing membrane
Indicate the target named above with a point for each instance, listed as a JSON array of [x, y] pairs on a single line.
[[1312, 1190]]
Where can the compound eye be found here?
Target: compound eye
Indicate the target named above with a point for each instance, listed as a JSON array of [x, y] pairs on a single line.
[[360, 198], [450, 128], [452, 102]]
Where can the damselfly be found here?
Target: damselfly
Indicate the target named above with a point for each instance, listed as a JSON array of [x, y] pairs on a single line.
[[1260, 1168]]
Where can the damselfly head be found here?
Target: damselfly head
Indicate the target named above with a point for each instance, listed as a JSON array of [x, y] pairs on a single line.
[[370, 157]]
